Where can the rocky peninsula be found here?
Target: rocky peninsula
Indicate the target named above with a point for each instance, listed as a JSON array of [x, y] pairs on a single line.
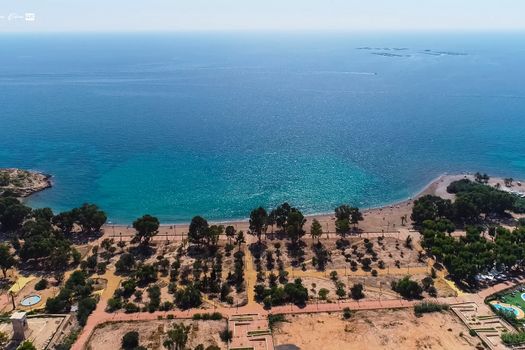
[[23, 182]]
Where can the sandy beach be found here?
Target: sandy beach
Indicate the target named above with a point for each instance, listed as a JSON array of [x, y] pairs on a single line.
[[376, 220]]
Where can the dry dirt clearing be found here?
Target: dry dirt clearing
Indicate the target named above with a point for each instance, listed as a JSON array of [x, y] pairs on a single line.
[[386, 329], [153, 333]]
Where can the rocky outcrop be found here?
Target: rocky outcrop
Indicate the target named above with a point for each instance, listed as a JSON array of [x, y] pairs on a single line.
[[23, 182]]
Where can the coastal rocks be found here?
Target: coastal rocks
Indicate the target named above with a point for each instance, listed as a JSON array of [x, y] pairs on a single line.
[[23, 182]]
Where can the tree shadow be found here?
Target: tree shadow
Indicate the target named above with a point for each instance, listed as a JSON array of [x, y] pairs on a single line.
[[296, 252], [80, 238], [142, 252], [257, 249]]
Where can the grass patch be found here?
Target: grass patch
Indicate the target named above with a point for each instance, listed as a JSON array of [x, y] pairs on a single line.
[[428, 307], [513, 338], [216, 316], [275, 319]]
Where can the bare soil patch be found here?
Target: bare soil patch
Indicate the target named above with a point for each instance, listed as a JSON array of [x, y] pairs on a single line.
[[153, 333], [386, 329]]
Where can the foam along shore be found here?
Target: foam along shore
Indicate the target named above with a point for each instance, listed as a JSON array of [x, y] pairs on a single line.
[[23, 182], [381, 219]]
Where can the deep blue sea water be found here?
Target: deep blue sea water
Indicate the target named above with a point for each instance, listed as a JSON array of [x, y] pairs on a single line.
[[214, 124]]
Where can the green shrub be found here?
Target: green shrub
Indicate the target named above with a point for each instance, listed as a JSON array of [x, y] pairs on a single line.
[[274, 319], [216, 316], [41, 285], [347, 313], [226, 335], [513, 338], [428, 307], [130, 340], [85, 308], [131, 308]]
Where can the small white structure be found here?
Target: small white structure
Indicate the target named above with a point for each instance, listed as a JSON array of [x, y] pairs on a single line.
[[20, 327]]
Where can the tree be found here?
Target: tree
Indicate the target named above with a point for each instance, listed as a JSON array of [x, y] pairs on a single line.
[[26, 345], [294, 225], [188, 297], [130, 340], [258, 222], [230, 233], [239, 240], [280, 215], [366, 262], [342, 227], [296, 292], [125, 264], [481, 178], [213, 235], [407, 288], [147, 227], [46, 246], [316, 230], [323, 293], [340, 289], [85, 308], [430, 208], [43, 214], [89, 217], [145, 274], [177, 337], [356, 292], [355, 216], [465, 210], [64, 221], [6, 259], [342, 212], [13, 216], [198, 230]]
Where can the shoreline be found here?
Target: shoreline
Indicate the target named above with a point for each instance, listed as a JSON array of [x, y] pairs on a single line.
[[386, 215], [376, 219], [25, 183]]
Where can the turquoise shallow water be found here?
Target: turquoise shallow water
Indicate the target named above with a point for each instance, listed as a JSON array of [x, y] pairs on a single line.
[[182, 124]]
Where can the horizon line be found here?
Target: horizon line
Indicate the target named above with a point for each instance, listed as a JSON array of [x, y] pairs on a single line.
[[278, 31]]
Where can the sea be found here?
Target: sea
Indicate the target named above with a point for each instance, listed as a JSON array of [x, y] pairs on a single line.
[[215, 124]]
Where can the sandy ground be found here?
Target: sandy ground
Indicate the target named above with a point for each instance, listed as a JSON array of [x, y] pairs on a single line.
[[41, 329], [153, 333], [389, 250], [375, 288], [387, 329]]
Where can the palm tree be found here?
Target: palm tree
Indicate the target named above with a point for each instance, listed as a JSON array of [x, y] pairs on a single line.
[[177, 337]]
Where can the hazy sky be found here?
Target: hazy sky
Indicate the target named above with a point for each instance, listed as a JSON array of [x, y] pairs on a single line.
[[169, 15]]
